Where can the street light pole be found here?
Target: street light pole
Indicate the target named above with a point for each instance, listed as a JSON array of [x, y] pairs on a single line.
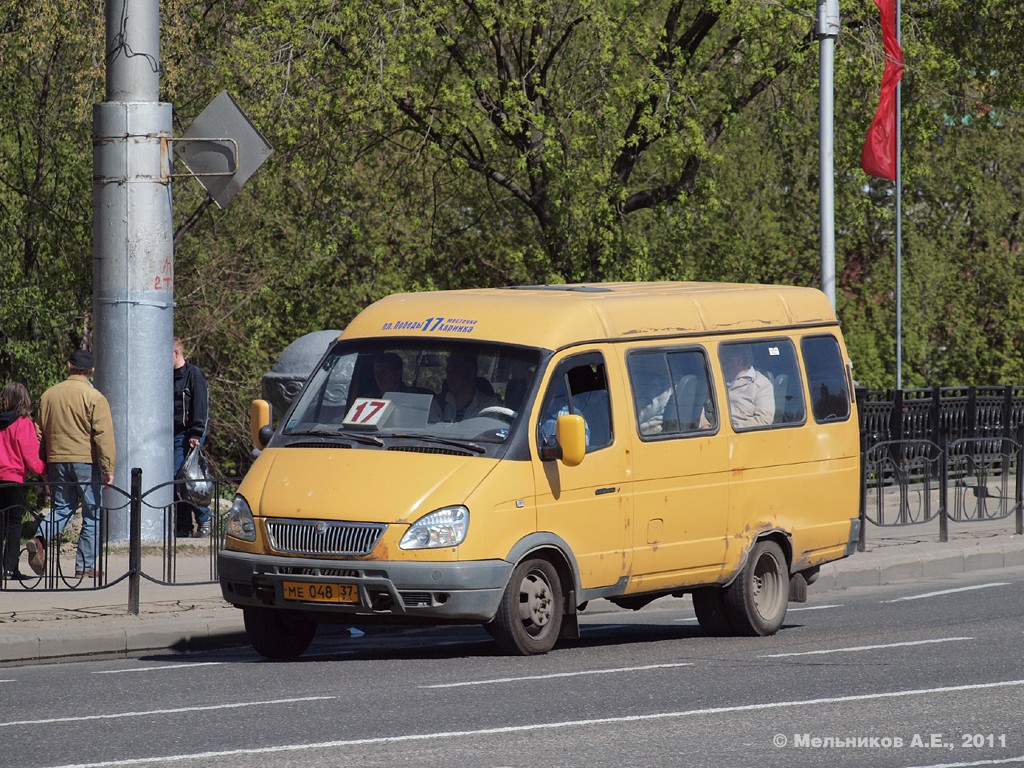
[[133, 259], [827, 29]]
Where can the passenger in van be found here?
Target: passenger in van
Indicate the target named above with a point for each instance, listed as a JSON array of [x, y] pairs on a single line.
[[589, 395], [549, 426], [751, 394], [387, 373], [464, 398], [652, 415]]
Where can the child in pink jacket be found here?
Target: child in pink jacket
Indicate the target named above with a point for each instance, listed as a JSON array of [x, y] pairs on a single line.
[[19, 454]]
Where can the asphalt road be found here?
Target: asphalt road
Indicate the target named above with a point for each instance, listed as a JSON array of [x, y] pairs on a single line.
[[926, 674]]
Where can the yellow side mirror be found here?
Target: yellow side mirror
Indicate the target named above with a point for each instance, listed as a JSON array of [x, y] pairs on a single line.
[[571, 432], [259, 417]]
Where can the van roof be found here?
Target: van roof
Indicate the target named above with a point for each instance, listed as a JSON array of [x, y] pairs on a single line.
[[553, 316]]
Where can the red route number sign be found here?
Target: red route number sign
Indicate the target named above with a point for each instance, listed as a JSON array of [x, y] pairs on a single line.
[[368, 412]]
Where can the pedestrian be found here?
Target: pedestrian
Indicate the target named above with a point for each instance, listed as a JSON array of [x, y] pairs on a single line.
[[78, 445], [191, 419], [19, 454]]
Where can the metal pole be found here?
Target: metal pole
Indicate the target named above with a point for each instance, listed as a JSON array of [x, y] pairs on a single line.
[[827, 29], [943, 484], [135, 544], [133, 255], [899, 224]]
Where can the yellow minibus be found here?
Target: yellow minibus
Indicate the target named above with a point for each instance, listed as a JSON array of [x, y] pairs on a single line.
[[505, 456]]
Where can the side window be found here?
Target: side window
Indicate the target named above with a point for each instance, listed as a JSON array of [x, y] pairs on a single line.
[[826, 378], [579, 385], [763, 383], [671, 392]]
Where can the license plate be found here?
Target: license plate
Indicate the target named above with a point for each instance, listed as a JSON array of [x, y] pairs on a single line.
[[311, 592]]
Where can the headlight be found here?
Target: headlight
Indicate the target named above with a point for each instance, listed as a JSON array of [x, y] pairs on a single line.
[[441, 528], [239, 520]]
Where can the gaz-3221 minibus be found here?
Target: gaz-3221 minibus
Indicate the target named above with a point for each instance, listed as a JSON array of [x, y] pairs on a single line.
[[505, 456]]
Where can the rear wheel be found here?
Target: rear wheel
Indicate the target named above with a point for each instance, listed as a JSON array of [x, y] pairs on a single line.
[[529, 618], [712, 615], [757, 600], [278, 634]]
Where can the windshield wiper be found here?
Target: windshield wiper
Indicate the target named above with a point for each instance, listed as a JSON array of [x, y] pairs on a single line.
[[359, 437], [441, 440]]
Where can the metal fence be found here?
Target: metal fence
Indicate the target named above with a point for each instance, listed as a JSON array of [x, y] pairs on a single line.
[[945, 453], [163, 556], [920, 447]]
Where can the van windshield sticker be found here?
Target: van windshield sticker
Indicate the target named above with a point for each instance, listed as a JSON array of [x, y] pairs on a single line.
[[433, 325], [773, 351]]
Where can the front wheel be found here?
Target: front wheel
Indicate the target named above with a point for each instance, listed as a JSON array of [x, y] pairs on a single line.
[[529, 618], [757, 600], [278, 634]]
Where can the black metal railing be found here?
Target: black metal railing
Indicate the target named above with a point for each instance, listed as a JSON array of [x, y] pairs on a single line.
[[917, 445], [160, 554]]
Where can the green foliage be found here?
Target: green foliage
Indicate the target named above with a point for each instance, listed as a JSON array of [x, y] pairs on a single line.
[[447, 144], [46, 89]]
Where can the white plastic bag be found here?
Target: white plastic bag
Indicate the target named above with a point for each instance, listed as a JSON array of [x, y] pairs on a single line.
[[195, 471]]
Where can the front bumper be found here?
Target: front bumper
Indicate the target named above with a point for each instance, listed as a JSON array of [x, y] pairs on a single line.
[[424, 590]]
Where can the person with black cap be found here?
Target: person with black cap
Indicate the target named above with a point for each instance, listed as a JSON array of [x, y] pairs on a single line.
[[78, 444], [191, 419]]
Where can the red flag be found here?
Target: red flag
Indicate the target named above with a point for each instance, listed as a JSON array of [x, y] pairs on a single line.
[[879, 155]]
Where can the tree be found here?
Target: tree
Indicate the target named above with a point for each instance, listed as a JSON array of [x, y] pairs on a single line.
[[447, 144], [47, 83]]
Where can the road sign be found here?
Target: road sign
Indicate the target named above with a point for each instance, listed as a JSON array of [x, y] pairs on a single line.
[[222, 148]]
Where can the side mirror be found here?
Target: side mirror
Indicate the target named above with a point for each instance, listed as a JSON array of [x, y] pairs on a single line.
[[571, 433], [259, 423]]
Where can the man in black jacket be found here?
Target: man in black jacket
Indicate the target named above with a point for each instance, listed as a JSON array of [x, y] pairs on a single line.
[[191, 418]]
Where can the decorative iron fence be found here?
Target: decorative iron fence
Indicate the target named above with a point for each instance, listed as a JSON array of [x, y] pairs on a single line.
[[918, 448], [918, 445], [167, 554]]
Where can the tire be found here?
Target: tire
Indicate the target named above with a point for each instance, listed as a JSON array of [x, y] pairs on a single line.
[[757, 600], [278, 634], [529, 618], [712, 615]]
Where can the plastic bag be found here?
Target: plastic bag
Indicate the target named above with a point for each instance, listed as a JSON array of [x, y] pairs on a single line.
[[195, 471]]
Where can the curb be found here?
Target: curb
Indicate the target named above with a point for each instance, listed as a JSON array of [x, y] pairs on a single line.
[[874, 569], [129, 637]]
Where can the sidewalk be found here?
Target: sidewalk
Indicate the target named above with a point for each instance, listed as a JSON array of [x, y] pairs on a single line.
[[61, 626]]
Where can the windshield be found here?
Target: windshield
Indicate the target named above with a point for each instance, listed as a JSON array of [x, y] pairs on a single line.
[[462, 392]]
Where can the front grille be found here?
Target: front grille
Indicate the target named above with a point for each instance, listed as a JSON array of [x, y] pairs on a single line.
[[319, 537], [339, 573]]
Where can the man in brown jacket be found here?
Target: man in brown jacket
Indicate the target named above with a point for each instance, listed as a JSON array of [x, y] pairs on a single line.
[[78, 443]]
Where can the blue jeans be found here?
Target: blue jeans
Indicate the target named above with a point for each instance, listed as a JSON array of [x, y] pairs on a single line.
[[202, 513], [75, 483]]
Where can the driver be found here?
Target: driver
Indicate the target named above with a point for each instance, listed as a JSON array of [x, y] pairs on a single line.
[[387, 374], [465, 396]]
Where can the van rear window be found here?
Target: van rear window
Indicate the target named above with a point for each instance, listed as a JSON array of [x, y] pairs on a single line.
[[826, 378]]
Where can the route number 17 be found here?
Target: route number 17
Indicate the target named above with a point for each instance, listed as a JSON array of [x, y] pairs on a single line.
[[368, 412]]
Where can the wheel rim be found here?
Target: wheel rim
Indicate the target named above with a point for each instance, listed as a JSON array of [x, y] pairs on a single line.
[[766, 586], [536, 602]]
